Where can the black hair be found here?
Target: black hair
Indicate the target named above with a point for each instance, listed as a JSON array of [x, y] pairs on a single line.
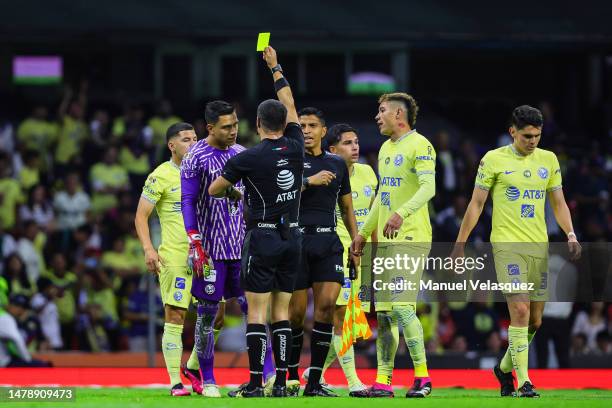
[[313, 111], [526, 115], [334, 134], [272, 115], [215, 109], [23, 276], [174, 129]]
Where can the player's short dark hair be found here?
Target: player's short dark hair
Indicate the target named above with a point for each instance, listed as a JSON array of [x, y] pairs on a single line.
[[174, 129], [412, 109], [215, 109], [526, 115], [334, 134], [272, 115], [313, 111]]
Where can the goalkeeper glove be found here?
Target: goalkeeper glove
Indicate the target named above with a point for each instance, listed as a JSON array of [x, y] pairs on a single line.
[[198, 258]]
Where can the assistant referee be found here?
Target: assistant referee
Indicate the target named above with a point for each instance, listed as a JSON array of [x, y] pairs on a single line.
[[272, 174]]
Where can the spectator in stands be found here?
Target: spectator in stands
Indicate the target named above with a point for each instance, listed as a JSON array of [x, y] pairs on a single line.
[[7, 246], [10, 194], [14, 271], [449, 219], [29, 175], [38, 209], [579, 345], [120, 262], [108, 179], [590, 324], [29, 248], [494, 343], [7, 140], [459, 344], [446, 176], [604, 347], [135, 152], [27, 323], [446, 326], [43, 303], [73, 131], [71, 204], [65, 282], [159, 124], [101, 135], [135, 312], [36, 132]]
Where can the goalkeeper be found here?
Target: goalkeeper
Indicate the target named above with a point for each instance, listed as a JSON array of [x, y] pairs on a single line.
[[406, 166]]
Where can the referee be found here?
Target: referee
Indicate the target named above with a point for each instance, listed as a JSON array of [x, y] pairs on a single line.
[[326, 183], [272, 174]]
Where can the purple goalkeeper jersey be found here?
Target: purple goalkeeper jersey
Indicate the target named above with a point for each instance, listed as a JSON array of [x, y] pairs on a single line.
[[219, 220]]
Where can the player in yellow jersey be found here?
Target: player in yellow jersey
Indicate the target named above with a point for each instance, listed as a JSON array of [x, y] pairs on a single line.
[[342, 140], [162, 191], [519, 177], [406, 167]]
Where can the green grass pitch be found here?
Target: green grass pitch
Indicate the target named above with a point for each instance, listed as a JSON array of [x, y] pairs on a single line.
[[459, 398]]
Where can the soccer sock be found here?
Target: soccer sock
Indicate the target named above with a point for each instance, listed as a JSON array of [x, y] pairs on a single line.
[[281, 338], [297, 339], [268, 368], [320, 341], [519, 350], [506, 363], [347, 362], [386, 347], [256, 340], [205, 341], [172, 347], [413, 335], [193, 363]]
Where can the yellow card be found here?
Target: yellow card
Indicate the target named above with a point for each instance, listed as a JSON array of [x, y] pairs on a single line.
[[262, 41]]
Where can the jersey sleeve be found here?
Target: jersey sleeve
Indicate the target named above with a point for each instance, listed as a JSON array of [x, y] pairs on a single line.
[[238, 167], [191, 171], [554, 182], [153, 188], [425, 158], [294, 132], [485, 177], [345, 182]]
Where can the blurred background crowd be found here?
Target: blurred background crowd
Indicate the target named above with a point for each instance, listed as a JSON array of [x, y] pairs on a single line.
[[74, 156]]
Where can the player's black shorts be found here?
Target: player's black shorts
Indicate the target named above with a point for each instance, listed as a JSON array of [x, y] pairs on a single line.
[[269, 262], [321, 261]]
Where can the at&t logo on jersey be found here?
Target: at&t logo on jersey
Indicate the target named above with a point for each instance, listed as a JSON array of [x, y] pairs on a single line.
[[285, 179], [527, 211], [385, 199], [391, 181], [534, 194], [512, 193]]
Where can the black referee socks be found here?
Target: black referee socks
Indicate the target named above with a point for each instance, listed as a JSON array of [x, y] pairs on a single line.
[[281, 345], [256, 345], [320, 340], [297, 339]]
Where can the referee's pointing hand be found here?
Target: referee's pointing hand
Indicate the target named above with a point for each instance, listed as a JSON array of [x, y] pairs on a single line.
[[322, 178]]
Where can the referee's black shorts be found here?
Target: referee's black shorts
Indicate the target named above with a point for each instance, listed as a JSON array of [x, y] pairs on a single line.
[[321, 261], [270, 263]]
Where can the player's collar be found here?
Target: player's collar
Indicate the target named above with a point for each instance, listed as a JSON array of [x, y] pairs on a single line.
[[405, 135], [516, 152], [173, 164]]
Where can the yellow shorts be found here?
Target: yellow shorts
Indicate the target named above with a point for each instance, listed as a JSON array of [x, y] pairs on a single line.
[[175, 286], [527, 274]]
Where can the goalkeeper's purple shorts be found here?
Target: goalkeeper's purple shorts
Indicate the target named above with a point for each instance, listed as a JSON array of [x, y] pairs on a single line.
[[223, 282]]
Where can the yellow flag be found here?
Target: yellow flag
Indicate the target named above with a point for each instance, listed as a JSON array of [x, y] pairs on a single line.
[[355, 325]]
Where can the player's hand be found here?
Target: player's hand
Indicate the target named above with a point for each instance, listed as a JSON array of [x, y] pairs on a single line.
[[394, 223], [197, 255], [357, 245], [234, 195], [153, 260], [575, 249], [458, 251], [356, 261], [269, 55], [322, 178]]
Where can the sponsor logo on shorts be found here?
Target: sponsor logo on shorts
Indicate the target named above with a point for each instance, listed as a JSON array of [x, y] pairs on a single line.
[[171, 346], [339, 268], [179, 283], [512, 193], [178, 296], [209, 289], [347, 283], [210, 275], [513, 269], [385, 199], [516, 281], [543, 173], [527, 211], [367, 190], [399, 159], [345, 295]]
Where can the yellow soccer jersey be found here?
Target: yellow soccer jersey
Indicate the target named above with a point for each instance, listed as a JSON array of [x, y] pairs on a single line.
[[518, 185], [363, 183], [163, 188], [400, 163]]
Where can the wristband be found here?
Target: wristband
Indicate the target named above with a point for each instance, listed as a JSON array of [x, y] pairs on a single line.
[[280, 84], [305, 182], [276, 68]]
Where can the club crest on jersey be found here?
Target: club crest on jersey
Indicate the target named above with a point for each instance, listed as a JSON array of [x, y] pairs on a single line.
[[387, 160], [285, 179], [178, 296], [282, 162], [527, 211], [543, 173], [527, 173], [399, 159], [179, 283], [367, 190], [209, 289]]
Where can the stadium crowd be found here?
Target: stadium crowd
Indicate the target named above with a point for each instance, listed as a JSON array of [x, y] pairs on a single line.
[[72, 267]]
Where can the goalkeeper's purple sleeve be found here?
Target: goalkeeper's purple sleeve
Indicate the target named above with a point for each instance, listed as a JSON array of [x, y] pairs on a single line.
[[190, 190]]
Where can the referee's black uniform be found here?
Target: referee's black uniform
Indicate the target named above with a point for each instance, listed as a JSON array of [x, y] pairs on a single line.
[[272, 175], [321, 248]]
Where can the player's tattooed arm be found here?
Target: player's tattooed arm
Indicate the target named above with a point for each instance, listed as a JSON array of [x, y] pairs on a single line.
[[219, 187]]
